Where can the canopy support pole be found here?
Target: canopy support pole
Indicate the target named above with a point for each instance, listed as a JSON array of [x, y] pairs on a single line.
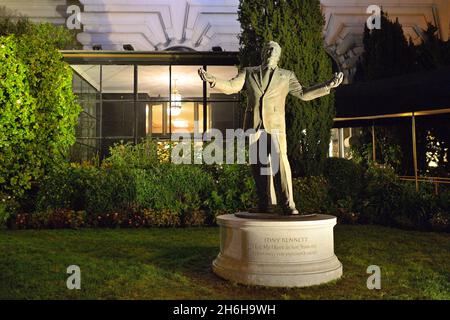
[[414, 145], [374, 152]]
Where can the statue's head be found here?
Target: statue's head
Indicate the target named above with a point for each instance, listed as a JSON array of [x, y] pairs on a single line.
[[271, 54]]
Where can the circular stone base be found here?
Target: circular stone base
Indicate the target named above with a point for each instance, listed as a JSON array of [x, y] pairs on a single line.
[[277, 253]]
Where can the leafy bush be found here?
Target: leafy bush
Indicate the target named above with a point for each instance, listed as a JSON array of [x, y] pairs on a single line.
[[235, 188], [143, 155], [127, 182], [65, 187], [50, 80], [38, 110], [388, 201], [311, 195], [91, 189], [135, 188], [57, 36], [345, 178], [176, 188], [19, 164], [110, 190], [381, 195]]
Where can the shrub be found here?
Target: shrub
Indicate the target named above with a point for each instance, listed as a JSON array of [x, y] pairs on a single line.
[[143, 155], [311, 195], [415, 208], [345, 178], [235, 188], [440, 221], [381, 194], [19, 164], [66, 187], [388, 201], [127, 181], [38, 111], [110, 190], [172, 187], [91, 189], [50, 81], [8, 207]]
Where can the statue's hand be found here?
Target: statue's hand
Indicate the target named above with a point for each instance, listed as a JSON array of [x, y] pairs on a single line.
[[336, 80], [205, 76]]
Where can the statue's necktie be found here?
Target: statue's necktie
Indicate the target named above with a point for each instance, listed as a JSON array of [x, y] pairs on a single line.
[[266, 78]]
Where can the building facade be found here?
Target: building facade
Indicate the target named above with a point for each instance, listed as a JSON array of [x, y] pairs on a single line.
[[200, 25], [127, 100]]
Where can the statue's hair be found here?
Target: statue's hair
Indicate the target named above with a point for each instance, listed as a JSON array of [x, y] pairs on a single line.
[[274, 45]]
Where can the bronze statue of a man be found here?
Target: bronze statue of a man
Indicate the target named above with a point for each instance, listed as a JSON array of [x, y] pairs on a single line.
[[267, 87]]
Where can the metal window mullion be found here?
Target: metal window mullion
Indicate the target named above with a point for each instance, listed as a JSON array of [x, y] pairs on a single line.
[[205, 101], [101, 111], [170, 101], [135, 91]]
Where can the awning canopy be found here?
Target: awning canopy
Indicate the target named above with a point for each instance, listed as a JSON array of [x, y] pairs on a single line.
[[366, 103]]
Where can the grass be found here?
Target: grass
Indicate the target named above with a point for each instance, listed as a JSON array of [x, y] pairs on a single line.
[[175, 264]]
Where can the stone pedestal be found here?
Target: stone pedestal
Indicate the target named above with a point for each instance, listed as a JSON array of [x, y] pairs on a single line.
[[295, 252]]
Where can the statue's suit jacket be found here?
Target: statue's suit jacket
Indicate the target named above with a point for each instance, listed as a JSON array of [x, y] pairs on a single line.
[[268, 106]]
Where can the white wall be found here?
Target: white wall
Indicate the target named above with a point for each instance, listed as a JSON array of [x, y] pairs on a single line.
[[202, 24]]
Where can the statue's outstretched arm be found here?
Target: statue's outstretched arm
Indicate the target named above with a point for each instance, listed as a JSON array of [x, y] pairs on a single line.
[[226, 86], [316, 91]]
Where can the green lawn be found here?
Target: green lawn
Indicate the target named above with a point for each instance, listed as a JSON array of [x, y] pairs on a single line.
[[175, 264]]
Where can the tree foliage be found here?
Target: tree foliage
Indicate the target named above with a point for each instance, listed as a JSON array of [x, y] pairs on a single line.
[[57, 36], [387, 53], [17, 120], [38, 110], [297, 26]]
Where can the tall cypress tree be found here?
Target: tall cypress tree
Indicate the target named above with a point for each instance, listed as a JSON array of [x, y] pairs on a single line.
[[297, 26], [387, 52]]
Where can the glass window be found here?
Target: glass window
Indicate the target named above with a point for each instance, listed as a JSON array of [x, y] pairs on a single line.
[[84, 149], [118, 119], [88, 125], [157, 116], [153, 83], [188, 119], [186, 83], [152, 118], [334, 143], [225, 73], [86, 79], [224, 115], [86, 82], [118, 81]]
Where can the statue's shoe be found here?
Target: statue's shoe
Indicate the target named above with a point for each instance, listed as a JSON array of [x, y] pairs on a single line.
[[291, 212]]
